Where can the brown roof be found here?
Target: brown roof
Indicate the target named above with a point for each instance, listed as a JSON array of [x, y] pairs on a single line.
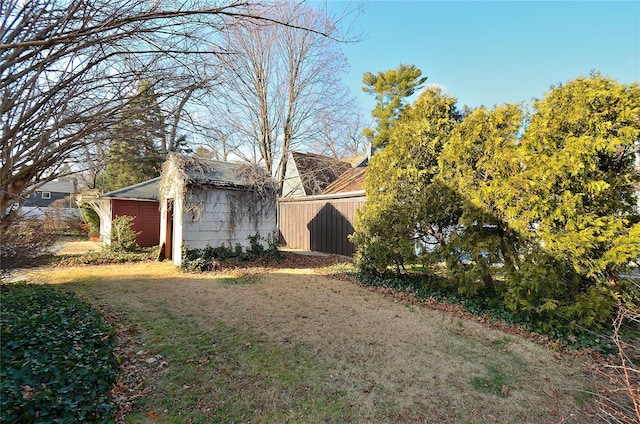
[[350, 180], [355, 160], [317, 171]]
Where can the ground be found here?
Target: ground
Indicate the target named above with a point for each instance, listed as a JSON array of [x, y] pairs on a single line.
[[383, 358]]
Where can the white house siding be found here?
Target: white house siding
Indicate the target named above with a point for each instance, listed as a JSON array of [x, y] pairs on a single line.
[[292, 184], [226, 217]]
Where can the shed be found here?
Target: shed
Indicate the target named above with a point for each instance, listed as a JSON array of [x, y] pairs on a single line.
[[209, 202], [141, 201]]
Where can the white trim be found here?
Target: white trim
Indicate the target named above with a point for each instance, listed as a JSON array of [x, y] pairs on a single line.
[[358, 193]]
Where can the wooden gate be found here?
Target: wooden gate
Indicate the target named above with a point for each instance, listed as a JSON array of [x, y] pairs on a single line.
[[319, 223]]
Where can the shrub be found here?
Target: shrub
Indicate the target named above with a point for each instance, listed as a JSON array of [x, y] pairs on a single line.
[[123, 238], [57, 363], [92, 219], [22, 241], [539, 207], [202, 260]]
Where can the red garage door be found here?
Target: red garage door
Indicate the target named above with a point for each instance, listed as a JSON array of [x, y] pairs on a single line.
[[146, 219]]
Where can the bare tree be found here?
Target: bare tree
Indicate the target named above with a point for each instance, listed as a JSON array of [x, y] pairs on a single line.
[[284, 82], [248, 107], [342, 133], [67, 70]]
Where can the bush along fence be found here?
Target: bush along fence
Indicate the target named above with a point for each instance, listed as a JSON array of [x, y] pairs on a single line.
[[536, 209]]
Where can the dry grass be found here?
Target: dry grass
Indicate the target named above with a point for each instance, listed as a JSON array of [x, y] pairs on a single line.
[[293, 345], [77, 247]]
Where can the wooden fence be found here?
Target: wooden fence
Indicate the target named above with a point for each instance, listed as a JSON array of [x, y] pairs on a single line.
[[319, 223]]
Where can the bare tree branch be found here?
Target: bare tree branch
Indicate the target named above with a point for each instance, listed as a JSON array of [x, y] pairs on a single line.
[[67, 70]]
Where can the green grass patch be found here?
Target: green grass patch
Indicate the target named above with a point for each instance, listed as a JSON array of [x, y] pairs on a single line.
[[57, 362], [503, 341], [496, 380], [222, 374], [410, 307], [245, 279]]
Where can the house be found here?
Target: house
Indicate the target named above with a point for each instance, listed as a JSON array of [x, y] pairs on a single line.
[[309, 174], [209, 202], [60, 194], [352, 180]]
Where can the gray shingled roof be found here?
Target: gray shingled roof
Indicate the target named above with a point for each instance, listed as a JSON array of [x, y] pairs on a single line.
[[147, 190], [223, 174]]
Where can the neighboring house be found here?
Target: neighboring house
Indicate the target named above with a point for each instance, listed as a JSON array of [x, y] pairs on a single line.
[[352, 180], [208, 202], [141, 201], [308, 174], [36, 205], [323, 222]]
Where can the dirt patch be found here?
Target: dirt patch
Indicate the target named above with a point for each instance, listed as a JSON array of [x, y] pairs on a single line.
[[393, 360]]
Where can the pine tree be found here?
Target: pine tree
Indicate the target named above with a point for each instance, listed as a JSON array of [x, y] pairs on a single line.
[[406, 205], [390, 88], [135, 155]]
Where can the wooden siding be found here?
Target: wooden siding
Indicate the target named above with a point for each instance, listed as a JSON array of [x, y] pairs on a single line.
[[319, 223], [146, 219]]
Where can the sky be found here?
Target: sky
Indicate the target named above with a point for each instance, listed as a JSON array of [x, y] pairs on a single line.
[[494, 52]]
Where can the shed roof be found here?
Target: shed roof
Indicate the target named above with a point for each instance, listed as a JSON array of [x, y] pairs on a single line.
[[317, 171], [200, 171], [146, 190], [351, 180]]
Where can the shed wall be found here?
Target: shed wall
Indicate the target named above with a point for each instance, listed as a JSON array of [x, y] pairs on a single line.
[[226, 217]]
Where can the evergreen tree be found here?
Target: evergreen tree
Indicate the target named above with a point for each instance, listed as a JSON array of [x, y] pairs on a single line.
[[575, 194], [390, 88], [407, 207], [476, 162], [537, 211], [135, 155]]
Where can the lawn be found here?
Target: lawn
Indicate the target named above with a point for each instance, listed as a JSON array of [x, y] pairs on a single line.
[[294, 345]]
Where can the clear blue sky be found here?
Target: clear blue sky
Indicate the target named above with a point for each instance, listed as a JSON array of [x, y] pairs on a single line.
[[495, 52]]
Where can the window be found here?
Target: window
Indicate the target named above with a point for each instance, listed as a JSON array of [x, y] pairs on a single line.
[[46, 195]]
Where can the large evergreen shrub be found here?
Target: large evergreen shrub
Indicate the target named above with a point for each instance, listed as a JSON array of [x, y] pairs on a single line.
[[538, 209]]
